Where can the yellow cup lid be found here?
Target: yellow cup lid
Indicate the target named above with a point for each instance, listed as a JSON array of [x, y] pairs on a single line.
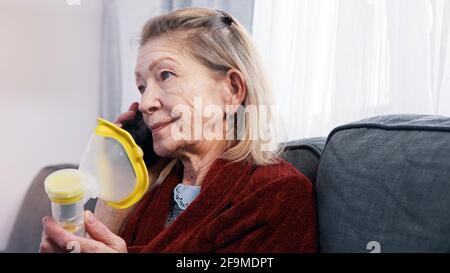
[[65, 186]]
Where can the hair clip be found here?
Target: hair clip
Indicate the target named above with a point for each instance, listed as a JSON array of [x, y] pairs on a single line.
[[226, 18]]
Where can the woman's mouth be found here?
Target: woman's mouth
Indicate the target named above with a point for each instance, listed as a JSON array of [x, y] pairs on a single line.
[[160, 125]]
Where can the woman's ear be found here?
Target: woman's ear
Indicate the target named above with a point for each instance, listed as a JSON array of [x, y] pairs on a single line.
[[237, 87]]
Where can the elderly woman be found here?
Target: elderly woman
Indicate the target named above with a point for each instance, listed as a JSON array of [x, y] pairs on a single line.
[[219, 194]]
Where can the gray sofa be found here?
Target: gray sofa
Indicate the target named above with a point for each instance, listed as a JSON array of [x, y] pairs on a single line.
[[382, 185]]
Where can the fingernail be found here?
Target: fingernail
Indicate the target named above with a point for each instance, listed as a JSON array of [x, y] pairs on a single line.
[[44, 219]]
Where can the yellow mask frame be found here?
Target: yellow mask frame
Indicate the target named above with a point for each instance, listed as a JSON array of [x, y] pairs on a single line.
[[136, 157]]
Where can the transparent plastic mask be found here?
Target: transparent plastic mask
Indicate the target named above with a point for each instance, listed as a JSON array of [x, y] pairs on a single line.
[[111, 176]]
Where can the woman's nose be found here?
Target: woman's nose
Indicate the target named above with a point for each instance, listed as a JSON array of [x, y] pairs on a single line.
[[150, 102]]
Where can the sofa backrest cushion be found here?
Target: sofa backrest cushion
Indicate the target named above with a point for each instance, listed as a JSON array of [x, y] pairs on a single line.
[[383, 184], [304, 155]]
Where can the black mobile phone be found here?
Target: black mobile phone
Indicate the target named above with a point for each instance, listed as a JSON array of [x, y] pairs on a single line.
[[142, 136]]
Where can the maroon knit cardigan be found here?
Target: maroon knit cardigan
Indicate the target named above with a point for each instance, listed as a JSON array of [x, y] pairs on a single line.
[[241, 208]]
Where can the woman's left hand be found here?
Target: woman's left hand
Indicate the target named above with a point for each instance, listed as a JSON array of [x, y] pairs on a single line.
[[57, 239]]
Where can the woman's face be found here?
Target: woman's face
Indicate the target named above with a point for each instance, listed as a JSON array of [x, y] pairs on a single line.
[[169, 80]]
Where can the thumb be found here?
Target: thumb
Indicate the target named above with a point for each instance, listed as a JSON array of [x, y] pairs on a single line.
[[99, 232]]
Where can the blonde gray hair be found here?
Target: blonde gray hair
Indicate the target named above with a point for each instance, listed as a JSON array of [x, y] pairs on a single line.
[[221, 43]]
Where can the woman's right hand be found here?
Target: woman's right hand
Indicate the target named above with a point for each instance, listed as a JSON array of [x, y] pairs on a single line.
[[128, 115]]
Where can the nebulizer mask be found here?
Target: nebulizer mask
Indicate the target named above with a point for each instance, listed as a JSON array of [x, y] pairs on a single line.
[[112, 169]]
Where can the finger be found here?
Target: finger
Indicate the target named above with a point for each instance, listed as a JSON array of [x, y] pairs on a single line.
[[130, 114], [56, 233], [99, 232], [134, 107], [125, 116], [92, 246], [48, 246], [67, 241]]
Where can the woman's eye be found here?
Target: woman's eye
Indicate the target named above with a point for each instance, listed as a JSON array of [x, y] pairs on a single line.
[[141, 89], [165, 75]]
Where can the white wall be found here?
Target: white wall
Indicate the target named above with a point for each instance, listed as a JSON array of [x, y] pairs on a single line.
[[49, 80]]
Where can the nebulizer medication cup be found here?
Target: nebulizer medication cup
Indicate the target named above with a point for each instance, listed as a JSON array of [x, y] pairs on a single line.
[[112, 169], [66, 190]]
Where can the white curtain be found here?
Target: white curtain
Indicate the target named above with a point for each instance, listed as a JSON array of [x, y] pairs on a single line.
[[338, 61]]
